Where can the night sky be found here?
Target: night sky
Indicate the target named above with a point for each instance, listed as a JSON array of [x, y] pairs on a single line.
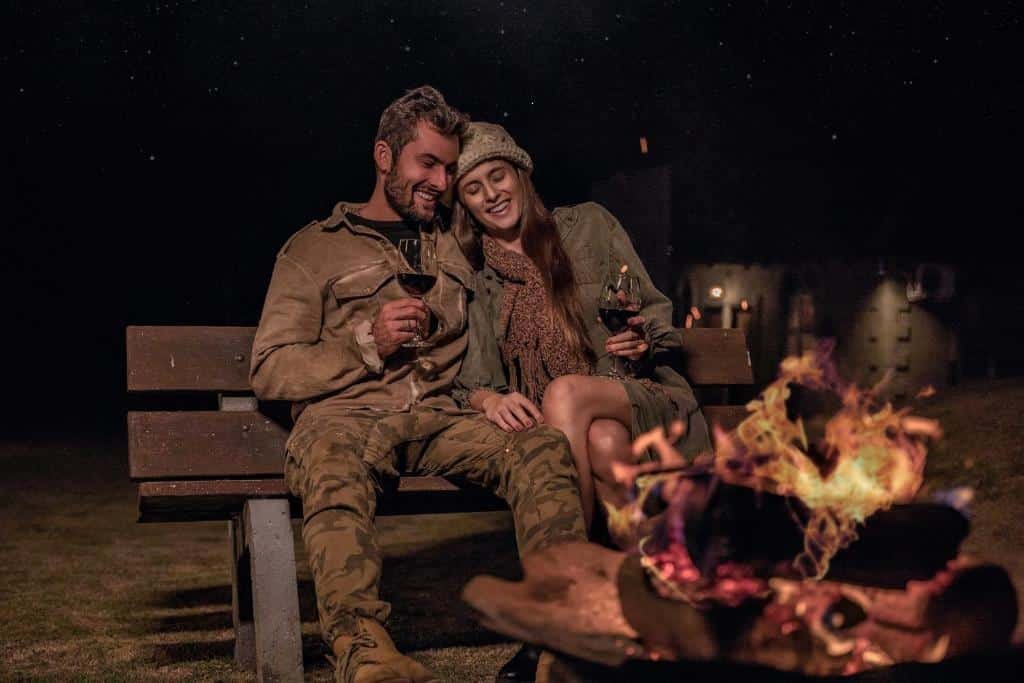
[[156, 155]]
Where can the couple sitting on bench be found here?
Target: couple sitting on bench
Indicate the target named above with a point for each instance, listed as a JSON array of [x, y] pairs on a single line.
[[470, 348]]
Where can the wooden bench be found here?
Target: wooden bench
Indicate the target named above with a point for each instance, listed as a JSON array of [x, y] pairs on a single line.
[[224, 461]]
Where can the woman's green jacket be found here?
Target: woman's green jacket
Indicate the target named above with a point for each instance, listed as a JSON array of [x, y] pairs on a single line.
[[596, 244]]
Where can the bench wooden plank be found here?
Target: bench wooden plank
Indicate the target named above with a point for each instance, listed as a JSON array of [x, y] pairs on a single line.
[[204, 444], [196, 501], [188, 358], [716, 356], [726, 417], [180, 445], [200, 358]]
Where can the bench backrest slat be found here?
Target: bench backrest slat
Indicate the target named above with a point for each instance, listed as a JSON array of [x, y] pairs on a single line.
[[716, 356], [194, 358], [212, 444], [188, 358]]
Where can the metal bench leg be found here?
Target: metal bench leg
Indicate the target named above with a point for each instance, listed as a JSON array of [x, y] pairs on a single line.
[[275, 592], [241, 598]]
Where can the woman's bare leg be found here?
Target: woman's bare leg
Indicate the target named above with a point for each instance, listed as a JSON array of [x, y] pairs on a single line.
[[608, 442], [571, 404]]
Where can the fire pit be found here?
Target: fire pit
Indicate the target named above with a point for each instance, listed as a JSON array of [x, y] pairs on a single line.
[[795, 546]]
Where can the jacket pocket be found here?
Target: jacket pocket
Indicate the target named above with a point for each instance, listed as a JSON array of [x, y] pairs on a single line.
[[464, 276], [361, 282], [449, 297], [356, 295]]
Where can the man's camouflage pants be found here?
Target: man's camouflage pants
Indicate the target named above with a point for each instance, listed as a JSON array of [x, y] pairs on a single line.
[[336, 465]]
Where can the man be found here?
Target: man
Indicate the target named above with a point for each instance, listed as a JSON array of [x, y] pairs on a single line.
[[330, 341]]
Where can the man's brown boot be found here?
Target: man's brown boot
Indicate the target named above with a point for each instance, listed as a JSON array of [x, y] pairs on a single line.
[[370, 657]]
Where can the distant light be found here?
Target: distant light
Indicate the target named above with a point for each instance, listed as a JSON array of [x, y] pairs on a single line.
[[716, 292], [643, 145], [744, 304], [695, 312]]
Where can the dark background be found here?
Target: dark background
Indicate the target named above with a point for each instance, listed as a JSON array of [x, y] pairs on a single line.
[[156, 155]]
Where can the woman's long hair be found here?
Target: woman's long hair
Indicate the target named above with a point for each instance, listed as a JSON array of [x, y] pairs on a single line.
[[542, 245]]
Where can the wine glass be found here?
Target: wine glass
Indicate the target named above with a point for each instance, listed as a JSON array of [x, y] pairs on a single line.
[[417, 276], [619, 301]]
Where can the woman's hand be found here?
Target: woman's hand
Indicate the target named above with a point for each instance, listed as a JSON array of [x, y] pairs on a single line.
[[512, 412], [631, 344]]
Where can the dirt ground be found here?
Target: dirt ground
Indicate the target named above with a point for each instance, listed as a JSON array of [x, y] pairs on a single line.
[[88, 594]]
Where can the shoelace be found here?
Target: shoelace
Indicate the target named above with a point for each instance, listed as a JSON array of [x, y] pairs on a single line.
[[361, 641]]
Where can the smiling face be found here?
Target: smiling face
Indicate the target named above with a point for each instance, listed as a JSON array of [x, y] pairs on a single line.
[[493, 195], [421, 174]]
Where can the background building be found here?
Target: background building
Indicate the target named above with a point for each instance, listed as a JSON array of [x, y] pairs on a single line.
[[904, 318]]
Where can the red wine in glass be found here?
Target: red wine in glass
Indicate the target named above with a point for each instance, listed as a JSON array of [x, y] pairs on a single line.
[[615, 319], [620, 300], [417, 277], [416, 284]]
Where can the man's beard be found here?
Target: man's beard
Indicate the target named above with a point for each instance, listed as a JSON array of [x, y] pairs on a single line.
[[401, 199]]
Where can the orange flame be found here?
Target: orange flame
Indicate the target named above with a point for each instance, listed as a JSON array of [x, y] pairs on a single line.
[[867, 459]]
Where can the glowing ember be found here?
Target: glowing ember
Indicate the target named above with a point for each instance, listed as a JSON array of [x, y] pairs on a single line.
[[675, 576]]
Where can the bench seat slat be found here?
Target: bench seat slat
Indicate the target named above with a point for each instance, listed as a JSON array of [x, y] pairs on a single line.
[[193, 501]]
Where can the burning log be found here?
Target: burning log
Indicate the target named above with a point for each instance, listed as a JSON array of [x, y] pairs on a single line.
[[728, 523], [598, 605]]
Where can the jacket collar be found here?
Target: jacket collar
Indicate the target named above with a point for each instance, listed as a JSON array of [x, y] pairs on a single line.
[[566, 218], [338, 220]]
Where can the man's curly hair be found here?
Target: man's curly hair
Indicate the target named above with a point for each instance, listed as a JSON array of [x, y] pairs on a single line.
[[398, 122]]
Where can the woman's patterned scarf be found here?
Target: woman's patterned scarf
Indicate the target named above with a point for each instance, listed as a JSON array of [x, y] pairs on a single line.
[[534, 348]]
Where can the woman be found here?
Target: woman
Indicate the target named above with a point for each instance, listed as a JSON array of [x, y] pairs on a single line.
[[537, 350]]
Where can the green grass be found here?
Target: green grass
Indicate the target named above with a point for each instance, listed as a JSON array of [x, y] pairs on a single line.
[[87, 594]]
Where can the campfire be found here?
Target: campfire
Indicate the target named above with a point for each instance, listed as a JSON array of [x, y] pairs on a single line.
[[801, 520], [866, 457]]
